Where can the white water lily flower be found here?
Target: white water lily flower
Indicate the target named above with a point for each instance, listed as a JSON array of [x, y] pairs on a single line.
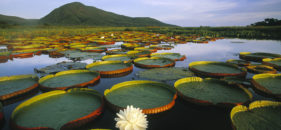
[[131, 119]]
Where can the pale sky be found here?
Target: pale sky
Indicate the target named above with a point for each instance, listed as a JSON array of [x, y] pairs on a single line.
[[177, 12]]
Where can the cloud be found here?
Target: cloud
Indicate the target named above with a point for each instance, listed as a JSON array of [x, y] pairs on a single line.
[[179, 12], [191, 5]]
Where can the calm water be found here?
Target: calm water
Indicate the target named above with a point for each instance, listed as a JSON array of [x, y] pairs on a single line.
[[183, 115]]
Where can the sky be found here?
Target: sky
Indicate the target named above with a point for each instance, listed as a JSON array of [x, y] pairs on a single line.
[[187, 13]]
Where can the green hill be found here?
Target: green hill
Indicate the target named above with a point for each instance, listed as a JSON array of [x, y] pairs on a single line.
[[13, 20], [78, 14]]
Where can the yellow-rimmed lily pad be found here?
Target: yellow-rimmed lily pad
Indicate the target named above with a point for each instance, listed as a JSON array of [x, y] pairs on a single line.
[[258, 69], [216, 69], [120, 57], [110, 68], [258, 56], [238, 62], [68, 79], [58, 110], [154, 62], [163, 74], [211, 91], [12, 86], [116, 51], [173, 56], [276, 63], [77, 55], [136, 54], [152, 97], [94, 49], [260, 115], [130, 46], [62, 66], [268, 84]]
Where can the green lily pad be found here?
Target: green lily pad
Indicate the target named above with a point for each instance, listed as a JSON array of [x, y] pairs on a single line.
[[238, 62], [215, 69], [258, 69], [52, 69], [276, 63], [258, 56], [268, 84], [69, 78], [94, 49], [163, 74], [211, 91], [130, 46], [11, 86], [108, 66], [5, 53], [140, 93], [54, 105], [235, 80], [77, 55], [260, 115], [116, 51], [173, 56], [120, 57], [136, 54], [111, 68], [154, 62], [145, 49]]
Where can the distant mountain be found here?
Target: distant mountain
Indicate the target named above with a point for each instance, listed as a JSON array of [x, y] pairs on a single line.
[[13, 20], [78, 14]]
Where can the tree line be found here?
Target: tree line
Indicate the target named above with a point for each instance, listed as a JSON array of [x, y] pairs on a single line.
[[268, 22]]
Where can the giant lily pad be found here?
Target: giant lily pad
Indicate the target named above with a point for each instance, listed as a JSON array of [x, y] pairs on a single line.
[[161, 47], [62, 66], [77, 55], [276, 63], [111, 68], [58, 110], [258, 56], [261, 69], [260, 115], [130, 46], [173, 56], [238, 62], [120, 57], [5, 54], [215, 69], [137, 54], [268, 84], [154, 62], [152, 97], [12, 86], [116, 51], [211, 91], [163, 74], [68, 79], [235, 80], [145, 49], [94, 49]]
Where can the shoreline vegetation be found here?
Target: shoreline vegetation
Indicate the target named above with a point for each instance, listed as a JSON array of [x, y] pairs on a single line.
[[248, 32]]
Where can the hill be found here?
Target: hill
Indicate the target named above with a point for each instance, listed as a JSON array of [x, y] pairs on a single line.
[[78, 14], [13, 20]]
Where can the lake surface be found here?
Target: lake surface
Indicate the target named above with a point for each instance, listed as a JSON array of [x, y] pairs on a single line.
[[183, 115]]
